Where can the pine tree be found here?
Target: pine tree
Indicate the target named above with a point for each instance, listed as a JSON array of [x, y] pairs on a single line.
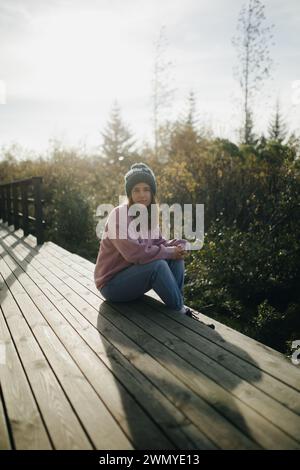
[[277, 129], [189, 119], [247, 132], [117, 139], [191, 116], [185, 136]]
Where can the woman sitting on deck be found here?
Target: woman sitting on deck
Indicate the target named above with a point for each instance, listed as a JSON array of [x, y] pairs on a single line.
[[126, 268]]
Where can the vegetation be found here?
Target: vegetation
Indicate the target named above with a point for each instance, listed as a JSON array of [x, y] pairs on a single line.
[[247, 273]]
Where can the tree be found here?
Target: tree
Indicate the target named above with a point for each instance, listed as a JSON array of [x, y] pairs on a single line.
[[118, 143], [254, 61], [247, 133], [191, 115], [277, 128], [162, 93], [184, 138]]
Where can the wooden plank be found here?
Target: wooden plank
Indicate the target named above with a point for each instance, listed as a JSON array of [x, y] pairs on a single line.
[[267, 359], [70, 294], [26, 423], [85, 267], [214, 425], [76, 287], [267, 386], [174, 424], [148, 434], [281, 416], [101, 427], [229, 355], [196, 377], [5, 443], [167, 333], [62, 424], [230, 358], [178, 427]]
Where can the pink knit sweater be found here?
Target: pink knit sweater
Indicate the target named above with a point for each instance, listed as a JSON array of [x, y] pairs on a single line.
[[116, 253]]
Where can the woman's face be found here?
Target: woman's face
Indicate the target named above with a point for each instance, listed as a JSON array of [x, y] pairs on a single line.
[[141, 193]]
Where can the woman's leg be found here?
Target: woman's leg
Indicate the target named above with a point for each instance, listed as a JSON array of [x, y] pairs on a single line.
[[177, 268], [131, 283]]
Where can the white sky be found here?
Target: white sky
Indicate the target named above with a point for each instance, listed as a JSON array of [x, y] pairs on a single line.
[[63, 64]]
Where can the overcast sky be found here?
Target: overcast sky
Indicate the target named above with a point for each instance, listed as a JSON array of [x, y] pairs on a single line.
[[63, 63]]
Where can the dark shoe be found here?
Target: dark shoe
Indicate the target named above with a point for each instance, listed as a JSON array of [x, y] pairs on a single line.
[[192, 314]]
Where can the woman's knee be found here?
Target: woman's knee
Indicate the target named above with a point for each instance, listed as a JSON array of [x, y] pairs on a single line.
[[157, 265], [161, 265]]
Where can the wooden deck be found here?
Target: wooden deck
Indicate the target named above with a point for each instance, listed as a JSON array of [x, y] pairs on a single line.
[[78, 372]]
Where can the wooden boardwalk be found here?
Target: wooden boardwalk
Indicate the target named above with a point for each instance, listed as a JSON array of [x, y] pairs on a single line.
[[78, 372]]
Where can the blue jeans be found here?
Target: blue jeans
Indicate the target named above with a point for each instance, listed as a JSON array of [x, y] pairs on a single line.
[[164, 276]]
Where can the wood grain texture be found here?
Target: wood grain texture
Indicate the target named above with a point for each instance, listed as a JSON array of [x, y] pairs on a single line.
[[130, 375]]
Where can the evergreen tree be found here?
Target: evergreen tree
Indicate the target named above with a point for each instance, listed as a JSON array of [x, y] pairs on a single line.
[[191, 116], [247, 134], [277, 129], [117, 139]]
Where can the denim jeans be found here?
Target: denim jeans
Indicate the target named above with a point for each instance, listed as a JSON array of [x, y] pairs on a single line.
[[164, 276]]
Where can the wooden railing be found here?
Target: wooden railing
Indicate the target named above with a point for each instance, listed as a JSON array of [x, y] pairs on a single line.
[[27, 194]]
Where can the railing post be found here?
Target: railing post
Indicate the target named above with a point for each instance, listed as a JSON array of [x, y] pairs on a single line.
[[37, 188], [15, 207], [8, 204], [2, 203], [11, 198], [24, 196]]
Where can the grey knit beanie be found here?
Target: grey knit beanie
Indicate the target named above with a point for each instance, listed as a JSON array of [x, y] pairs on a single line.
[[139, 172]]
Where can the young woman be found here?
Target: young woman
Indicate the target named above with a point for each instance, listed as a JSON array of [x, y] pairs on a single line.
[[127, 268]]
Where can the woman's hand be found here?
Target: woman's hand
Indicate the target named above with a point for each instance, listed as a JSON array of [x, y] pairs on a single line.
[[180, 252]]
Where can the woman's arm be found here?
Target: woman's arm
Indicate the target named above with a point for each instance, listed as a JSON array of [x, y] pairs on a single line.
[[174, 242], [141, 252], [133, 250]]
